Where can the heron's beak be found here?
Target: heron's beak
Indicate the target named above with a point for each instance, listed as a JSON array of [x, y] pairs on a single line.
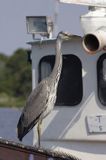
[[67, 36]]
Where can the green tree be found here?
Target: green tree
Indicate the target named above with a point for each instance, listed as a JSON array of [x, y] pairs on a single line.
[[3, 61], [18, 73]]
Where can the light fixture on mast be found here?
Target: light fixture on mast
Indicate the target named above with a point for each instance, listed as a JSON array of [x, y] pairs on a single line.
[[39, 25]]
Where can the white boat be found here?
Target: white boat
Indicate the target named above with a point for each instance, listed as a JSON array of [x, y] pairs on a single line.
[[76, 128], [77, 125]]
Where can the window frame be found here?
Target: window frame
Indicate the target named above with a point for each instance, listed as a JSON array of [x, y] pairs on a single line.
[[101, 83], [59, 90]]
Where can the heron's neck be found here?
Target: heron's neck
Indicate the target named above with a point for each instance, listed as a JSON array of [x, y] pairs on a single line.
[[56, 72]]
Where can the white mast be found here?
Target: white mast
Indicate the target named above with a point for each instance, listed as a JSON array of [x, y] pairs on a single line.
[[93, 24], [99, 3], [56, 12]]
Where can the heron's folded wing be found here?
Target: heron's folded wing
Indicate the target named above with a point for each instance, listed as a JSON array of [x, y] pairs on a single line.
[[36, 103]]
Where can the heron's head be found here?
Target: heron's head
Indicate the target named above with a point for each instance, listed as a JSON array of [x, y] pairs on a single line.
[[64, 35]]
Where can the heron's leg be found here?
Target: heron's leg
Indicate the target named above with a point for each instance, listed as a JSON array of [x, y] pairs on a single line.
[[39, 131]]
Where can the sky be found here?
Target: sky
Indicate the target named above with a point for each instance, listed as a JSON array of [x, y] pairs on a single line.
[[13, 33]]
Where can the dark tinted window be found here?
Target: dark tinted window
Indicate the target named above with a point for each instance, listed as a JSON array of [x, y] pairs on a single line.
[[101, 78], [70, 85]]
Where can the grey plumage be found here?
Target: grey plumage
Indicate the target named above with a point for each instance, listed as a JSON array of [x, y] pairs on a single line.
[[42, 99]]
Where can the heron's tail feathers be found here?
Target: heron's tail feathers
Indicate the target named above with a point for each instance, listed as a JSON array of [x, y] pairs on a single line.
[[23, 128]]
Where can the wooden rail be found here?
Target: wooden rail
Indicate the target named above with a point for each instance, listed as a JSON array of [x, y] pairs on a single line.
[[15, 151]]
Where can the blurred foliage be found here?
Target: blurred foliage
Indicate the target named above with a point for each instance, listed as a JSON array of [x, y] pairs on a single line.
[[15, 78]]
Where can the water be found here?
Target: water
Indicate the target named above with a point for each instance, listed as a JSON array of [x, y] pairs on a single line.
[[8, 124]]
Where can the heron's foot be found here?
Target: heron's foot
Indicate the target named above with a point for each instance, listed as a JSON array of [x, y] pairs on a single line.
[[39, 133]]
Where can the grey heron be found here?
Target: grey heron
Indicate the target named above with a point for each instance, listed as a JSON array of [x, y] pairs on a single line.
[[42, 99]]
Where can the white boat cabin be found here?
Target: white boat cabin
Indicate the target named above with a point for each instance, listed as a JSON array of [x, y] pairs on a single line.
[[77, 125]]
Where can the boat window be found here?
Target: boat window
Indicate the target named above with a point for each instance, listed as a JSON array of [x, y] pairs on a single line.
[[101, 78], [70, 88]]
